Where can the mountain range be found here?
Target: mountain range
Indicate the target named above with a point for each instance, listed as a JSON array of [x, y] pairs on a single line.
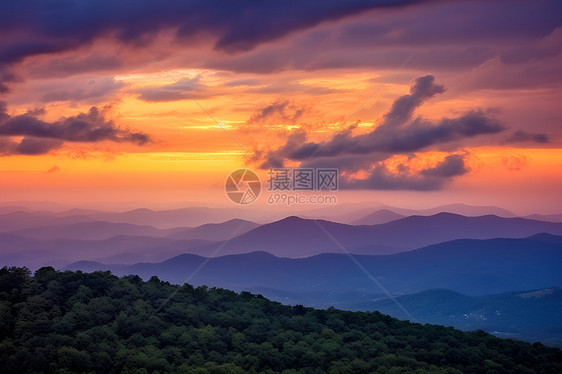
[[60, 244], [474, 267], [296, 237], [441, 265], [465, 283]]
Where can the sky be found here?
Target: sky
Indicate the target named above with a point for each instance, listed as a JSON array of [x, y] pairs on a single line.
[[417, 103]]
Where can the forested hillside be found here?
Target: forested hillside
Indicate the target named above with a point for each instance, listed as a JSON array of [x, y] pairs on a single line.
[[62, 322]]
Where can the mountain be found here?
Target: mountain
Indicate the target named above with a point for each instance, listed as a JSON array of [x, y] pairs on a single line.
[[341, 213], [531, 316], [19, 220], [183, 217], [13, 208], [214, 231], [455, 283], [290, 237], [378, 217], [351, 213], [470, 210], [13, 218], [546, 217], [37, 205], [474, 267], [34, 253], [88, 231], [296, 237], [460, 209]]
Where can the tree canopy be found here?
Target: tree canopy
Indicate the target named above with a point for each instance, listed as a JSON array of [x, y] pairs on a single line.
[[74, 322]]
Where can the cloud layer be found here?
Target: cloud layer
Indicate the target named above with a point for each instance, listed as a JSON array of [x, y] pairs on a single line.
[[40, 137], [44, 27], [399, 133]]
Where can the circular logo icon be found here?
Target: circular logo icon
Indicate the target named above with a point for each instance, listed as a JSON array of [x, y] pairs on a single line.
[[242, 186]]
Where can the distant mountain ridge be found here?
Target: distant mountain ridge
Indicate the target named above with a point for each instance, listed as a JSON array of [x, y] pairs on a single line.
[[196, 216], [214, 231], [546, 217], [292, 237], [96, 230], [297, 237], [474, 267], [378, 217]]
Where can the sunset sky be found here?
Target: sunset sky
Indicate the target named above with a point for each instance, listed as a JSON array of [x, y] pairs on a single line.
[[418, 103]]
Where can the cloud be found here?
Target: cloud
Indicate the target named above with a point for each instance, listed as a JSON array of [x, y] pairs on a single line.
[[276, 159], [430, 179], [452, 166], [6, 77], [29, 146], [447, 36], [84, 127], [400, 133], [402, 110], [177, 91], [294, 87], [40, 137], [522, 136], [514, 163], [53, 170], [73, 65], [36, 146], [99, 88], [285, 111], [243, 82], [38, 27]]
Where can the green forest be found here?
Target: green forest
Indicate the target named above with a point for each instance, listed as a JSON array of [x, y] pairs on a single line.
[[73, 322]]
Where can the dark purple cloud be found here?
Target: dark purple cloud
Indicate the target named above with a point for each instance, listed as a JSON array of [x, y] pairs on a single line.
[[39, 27], [522, 136], [430, 179], [84, 127], [445, 36], [400, 133], [457, 23], [36, 146], [452, 166], [41, 137], [6, 77], [402, 110], [30, 146]]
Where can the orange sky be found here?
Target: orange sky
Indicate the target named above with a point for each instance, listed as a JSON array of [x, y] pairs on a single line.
[[188, 156]]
